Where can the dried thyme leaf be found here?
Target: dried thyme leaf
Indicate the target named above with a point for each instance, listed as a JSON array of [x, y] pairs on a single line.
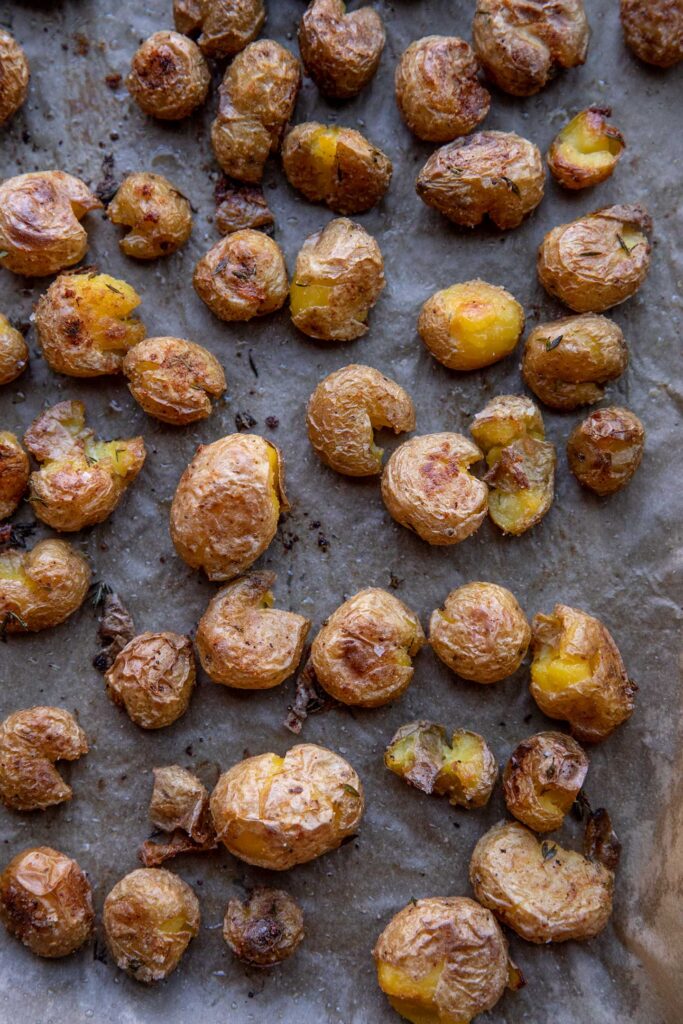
[[550, 345], [351, 790], [512, 185], [548, 850], [623, 244]]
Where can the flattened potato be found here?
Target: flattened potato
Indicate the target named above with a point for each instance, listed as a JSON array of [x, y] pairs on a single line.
[[41, 587], [226, 26], [13, 352], [471, 325], [654, 30], [30, 742], [174, 380], [169, 77], [587, 149], [159, 216], [14, 76], [14, 473], [542, 779], [242, 276], [605, 450], [341, 51], [153, 678], [264, 929]]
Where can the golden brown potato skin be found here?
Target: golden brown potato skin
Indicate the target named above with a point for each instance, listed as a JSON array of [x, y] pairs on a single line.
[[46, 902], [179, 806], [153, 678], [481, 633], [264, 929], [345, 410], [173, 379], [30, 742], [245, 643], [159, 216], [362, 654], [149, 918], [14, 473], [14, 76], [169, 77], [521, 45], [13, 352], [494, 174], [605, 450], [226, 25], [542, 779], [41, 587], [593, 128], [599, 260], [542, 891], [40, 233], [427, 487], [341, 52], [242, 276], [187, 16], [277, 812], [654, 30], [349, 178], [241, 206], [437, 90]]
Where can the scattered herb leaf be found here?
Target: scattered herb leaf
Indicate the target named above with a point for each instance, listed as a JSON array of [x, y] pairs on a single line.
[[548, 850], [351, 790], [553, 343], [623, 244], [98, 592]]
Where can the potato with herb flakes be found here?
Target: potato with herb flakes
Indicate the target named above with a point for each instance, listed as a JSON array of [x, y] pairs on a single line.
[[31, 741], [14, 473], [153, 678], [226, 26], [41, 587], [14, 76], [653, 29], [169, 78], [542, 779], [587, 149], [341, 50], [158, 215], [605, 450], [13, 352], [265, 928], [242, 276], [173, 379]]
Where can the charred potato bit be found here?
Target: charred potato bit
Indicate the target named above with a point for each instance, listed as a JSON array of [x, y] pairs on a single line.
[[363, 654], [521, 463], [605, 450], [481, 632], [340, 51], [14, 473], [180, 806], [276, 812], [241, 206], [153, 678], [264, 929], [226, 25], [174, 380], [169, 77], [46, 902], [542, 779], [42, 587], [40, 233], [654, 30], [256, 100], [521, 45], [242, 276], [14, 76], [30, 742], [471, 325], [13, 352], [336, 166], [158, 215], [149, 918], [494, 174], [600, 841], [345, 410], [587, 150], [246, 643]]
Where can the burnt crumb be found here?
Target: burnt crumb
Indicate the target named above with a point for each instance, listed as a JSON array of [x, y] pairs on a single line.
[[310, 699], [244, 421], [15, 536], [99, 952], [289, 539], [395, 581], [527, 718], [26, 136], [252, 364], [107, 187], [314, 524], [272, 422], [113, 81], [116, 627], [323, 542], [81, 44], [189, 750]]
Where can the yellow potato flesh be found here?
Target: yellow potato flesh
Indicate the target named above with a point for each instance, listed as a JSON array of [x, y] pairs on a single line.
[[582, 145], [117, 452], [11, 568], [411, 997], [323, 154], [508, 508], [174, 925], [305, 296], [631, 238], [484, 323], [274, 483], [102, 298], [553, 671]]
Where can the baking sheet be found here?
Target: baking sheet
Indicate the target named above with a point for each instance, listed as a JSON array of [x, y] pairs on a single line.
[[616, 558]]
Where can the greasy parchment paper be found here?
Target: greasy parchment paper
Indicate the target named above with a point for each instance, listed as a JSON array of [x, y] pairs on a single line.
[[614, 557]]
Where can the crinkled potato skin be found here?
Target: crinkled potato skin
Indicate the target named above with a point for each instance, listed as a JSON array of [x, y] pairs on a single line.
[[159, 216], [169, 77], [153, 678], [362, 654], [14, 76], [542, 779], [180, 801], [187, 16], [42, 587], [341, 51], [226, 26], [14, 473], [46, 902], [277, 812], [173, 379], [241, 206], [13, 352], [264, 929], [605, 450], [30, 742], [654, 30], [565, 161], [242, 276]]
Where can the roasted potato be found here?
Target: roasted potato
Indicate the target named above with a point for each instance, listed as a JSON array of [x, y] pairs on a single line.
[[149, 918], [158, 215], [577, 673], [187, 16], [587, 150], [605, 450], [654, 30], [173, 380], [14, 76], [427, 487], [363, 653], [13, 352], [471, 325], [41, 587], [241, 206], [265, 928], [569, 362], [242, 276], [276, 812], [179, 806], [521, 475], [340, 51], [85, 323], [338, 278], [336, 166], [542, 779], [443, 960], [40, 233], [244, 642], [227, 504], [226, 25], [256, 100], [14, 473], [494, 174], [345, 410], [153, 678], [521, 45], [169, 77], [481, 632], [46, 902], [30, 742]]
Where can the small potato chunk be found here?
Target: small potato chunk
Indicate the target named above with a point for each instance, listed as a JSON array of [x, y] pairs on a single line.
[[179, 806], [46, 902], [654, 30], [494, 174], [276, 812], [471, 325], [587, 150], [542, 779], [246, 643], [153, 678], [345, 410], [521, 476], [30, 742], [149, 918], [226, 25], [14, 473], [542, 891], [481, 632], [174, 380], [443, 960], [363, 654], [41, 587], [169, 77], [13, 352], [264, 929], [605, 450], [427, 487], [14, 76], [40, 233], [159, 216], [340, 51], [241, 206], [242, 276], [336, 166], [85, 324]]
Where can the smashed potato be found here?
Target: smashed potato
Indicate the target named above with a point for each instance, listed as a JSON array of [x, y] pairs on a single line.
[[13, 352], [542, 779], [427, 487], [158, 215], [246, 643], [265, 928], [276, 812], [40, 233], [587, 150], [241, 206], [174, 380], [605, 450], [345, 410], [471, 325], [336, 166], [14, 76], [341, 51], [153, 678], [14, 473], [169, 77], [363, 653], [242, 276], [226, 25], [41, 587], [494, 174], [30, 743], [179, 806], [481, 632], [654, 30]]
